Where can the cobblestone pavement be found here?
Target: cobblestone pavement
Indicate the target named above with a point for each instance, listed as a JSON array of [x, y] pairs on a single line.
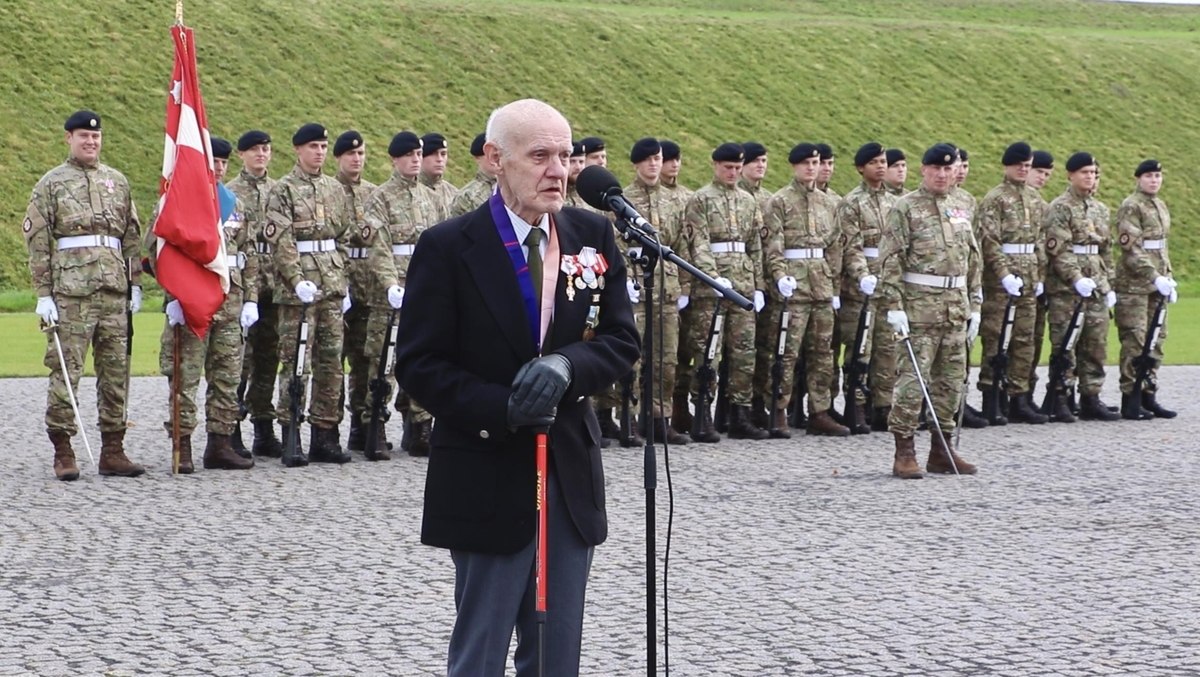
[[1073, 552]]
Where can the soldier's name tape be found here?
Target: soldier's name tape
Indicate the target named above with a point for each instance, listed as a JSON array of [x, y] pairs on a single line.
[[403, 249], [79, 241], [811, 253], [1082, 249], [236, 260], [727, 247], [871, 252], [1010, 248], [939, 281], [312, 246], [1154, 244], [262, 247], [359, 252]]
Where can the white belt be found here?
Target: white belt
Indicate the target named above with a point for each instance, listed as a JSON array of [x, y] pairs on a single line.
[[77, 241], [1154, 244], [871, 252], [359, 252], [262, 247], [939, 281], [1017, 248], [403, 249], [311, 246], [237, 260], [811, 253], [1082, 249], [727, 247]]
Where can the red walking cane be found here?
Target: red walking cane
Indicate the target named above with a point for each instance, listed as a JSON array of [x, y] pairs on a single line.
[[539, 564]]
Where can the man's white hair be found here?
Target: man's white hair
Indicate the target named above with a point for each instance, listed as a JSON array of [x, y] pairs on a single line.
[[508, 121]]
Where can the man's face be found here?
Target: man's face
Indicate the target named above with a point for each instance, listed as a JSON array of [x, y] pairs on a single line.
[[600, 157], [256, 158], [937, 179], [1084, 179], [533, 172], [806, 172], [756, 169], [409, 164], [961, 169], [727, 172], [825, 172], [875, 170], [1150, 182], [220, 166], [351, 162], [650, 169], [897, 174], [311, 156], [1096, 185], [1038, 178], [576, 165], [85, 145], [434, 164], [670, 168], [1018, 172]]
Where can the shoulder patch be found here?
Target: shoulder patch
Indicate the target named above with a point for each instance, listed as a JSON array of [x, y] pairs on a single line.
[[1124, 239], [366, 232], [28, 225], [1051, 243], [269, 231]]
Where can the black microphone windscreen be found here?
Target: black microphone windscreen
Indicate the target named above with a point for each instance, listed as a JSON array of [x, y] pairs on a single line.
[[594, 183]]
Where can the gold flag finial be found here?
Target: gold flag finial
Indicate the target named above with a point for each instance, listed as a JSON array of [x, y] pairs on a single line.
[[178, 12]]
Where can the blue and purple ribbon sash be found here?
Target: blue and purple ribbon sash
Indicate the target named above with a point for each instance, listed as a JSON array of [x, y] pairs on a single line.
[[524, 280]]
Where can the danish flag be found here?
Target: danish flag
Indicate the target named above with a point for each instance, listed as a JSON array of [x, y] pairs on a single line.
[[191, 249]]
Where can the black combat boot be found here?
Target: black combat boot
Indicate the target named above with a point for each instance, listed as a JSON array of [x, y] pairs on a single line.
[[758, 412], [741, 427], [1131, 408], [681, 414], [879, 419], [1150, 403], [357, 439], [294, 460], [708, 432], [325, 448], [609, 430], [382, 448], [1062, 410], [1021, 410], [972, 418], [265, 442], [1092, 408], [235, 441]]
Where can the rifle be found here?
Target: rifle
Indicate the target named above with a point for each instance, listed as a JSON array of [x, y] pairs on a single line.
[[721, 413], [243, 411], [777, 368], [629, 401], [1060, 361], [1143, 363], [129, 268], [796, 417], [291, 445], [379, 388], [993, 399], [855, 371], [705, 375]]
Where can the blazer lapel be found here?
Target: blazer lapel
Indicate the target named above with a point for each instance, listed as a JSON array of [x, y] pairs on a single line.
[[492, 270], [568, 315]]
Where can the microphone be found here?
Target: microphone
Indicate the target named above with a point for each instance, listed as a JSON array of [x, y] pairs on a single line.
[[600, 189]]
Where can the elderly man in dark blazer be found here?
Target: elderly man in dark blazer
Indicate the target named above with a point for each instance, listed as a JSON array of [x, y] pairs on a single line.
[[514, 314]]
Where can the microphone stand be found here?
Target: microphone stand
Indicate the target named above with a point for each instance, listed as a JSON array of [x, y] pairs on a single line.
[[652, 252]]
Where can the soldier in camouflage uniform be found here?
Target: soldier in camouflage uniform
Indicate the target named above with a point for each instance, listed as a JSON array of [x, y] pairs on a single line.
[[766, 323], [681, 415], [401, 209], [1010, 238], [82, 232], [219, 354], [594, 152], [1143, 278], [351, 153], [861, 217], [307, 229], [575, 165], [1039, 174], [260, 363], [725, 226], [897, 172], [1079, 254], [825, 175], [475, 193], [435, 155], [929, 262]]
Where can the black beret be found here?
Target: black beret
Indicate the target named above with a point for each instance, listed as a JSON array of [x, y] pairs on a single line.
[[729, 152], [592, 144], [577, 149], [433, 142], [826, 151], [643, 149], [1079, 161], [347, 142], [220, 148], [939, 155], [753, 150], [83, 119], [1042, 159], [403, 144], [963, 155], [670, 150], [868, 152], [804, 151], [895, 155], [1148, 166], [309, 133], [477, 145], [253, 138], [1016, 154]]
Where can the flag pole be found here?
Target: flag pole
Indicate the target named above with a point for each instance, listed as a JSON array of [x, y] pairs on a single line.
[[178, 12]]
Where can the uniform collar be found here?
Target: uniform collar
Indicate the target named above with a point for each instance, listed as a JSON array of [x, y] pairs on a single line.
[[428, 180], [252, 179], [299, 171], [483, 176], [346, 180], [79, 165], [637, 181], [403, 180]]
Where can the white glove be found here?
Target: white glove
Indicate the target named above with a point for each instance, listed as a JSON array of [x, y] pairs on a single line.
[[1164, 285], [787, 286], [760, 301], [47, 309], [1110, 299], [1012, 284], [724, 282], [682, 302], [634, 253], [1085, 286], [1039, 289], [174, 314], [972, 327], [1173, 297], [899, 321], [306, 291], [395, 295], [347, 303], [135, 299], [635, 294], [836, 302], [249, 314], [868, 284]]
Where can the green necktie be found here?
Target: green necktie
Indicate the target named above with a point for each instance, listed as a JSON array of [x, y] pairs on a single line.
[[534, 241]]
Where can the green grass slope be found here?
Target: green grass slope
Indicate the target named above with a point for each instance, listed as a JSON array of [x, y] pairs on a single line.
[[1119, 80]]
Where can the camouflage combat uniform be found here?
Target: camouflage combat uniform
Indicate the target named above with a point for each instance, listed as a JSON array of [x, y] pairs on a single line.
[[766, 323], [684, 368], [356, 319], [1143, 226], [443, 192], [469, 197], [1038, 206]]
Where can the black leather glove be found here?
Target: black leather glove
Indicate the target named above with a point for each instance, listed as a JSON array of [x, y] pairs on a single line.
[[539, 385], [516, 419]]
